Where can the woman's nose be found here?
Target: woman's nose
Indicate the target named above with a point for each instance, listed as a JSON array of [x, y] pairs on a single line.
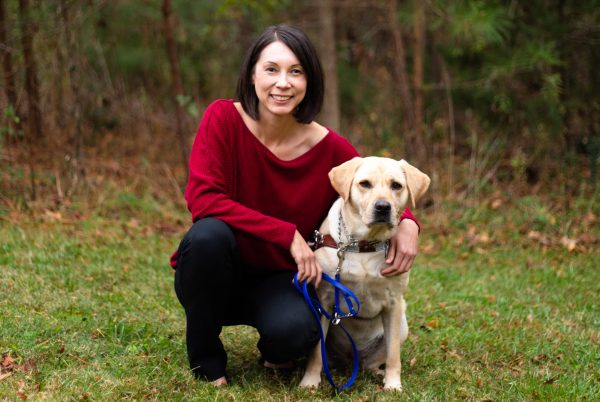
[[282, 81]]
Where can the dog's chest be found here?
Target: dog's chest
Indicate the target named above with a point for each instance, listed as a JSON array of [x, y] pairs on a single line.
[[362, 274]]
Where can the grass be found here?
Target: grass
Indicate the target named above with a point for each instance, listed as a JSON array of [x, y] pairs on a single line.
[[88, 311]]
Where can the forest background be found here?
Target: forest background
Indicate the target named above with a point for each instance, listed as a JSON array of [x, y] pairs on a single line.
[[497, 100], [483, 95]]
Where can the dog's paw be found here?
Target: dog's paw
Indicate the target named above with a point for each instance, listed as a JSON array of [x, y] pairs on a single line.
[[392, 384], [310, 381]]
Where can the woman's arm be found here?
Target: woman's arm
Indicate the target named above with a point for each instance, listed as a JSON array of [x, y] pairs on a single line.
[[403, 245], [209, 187]]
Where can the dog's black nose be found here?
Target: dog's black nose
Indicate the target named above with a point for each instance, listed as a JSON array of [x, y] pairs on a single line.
[[382, 207]]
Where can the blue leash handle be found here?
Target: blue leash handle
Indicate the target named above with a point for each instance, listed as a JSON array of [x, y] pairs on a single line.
[[317, 309]]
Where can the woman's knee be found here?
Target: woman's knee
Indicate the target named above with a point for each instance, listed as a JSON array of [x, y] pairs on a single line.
[[207, 259], [208, 234], [289, 337]]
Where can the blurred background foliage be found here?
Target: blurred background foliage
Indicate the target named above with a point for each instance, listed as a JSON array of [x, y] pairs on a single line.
[[502, 95]]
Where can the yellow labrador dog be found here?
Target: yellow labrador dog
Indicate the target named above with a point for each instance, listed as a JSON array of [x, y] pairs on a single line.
[[373, 193]]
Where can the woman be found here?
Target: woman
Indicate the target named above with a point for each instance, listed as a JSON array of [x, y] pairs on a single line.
[[257, 189]]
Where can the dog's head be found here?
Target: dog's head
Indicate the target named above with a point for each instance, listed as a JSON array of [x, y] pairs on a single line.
[[377, 189]]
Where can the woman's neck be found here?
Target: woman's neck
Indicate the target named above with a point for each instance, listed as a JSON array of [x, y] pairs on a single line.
[[274, 130]]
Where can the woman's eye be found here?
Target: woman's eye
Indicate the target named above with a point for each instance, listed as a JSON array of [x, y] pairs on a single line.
[[396, 186], [365, 184], [297, 72], [270, 69]]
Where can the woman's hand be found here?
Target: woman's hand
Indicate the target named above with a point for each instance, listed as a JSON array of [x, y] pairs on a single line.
[[403, 248], [308, 267]]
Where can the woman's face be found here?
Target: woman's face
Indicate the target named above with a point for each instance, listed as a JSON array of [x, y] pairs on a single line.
[[279, 80]]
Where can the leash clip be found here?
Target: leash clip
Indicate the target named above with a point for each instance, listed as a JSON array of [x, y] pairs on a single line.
[[335, 320], [317, 240]]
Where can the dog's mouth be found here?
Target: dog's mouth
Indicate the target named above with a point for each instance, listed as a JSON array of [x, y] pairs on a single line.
[[381, 222], [381, 217]]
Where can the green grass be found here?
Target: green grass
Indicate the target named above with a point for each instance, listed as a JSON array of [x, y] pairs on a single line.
[[88, 311]]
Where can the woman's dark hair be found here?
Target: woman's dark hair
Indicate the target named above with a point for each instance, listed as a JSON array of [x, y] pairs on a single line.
[[304, 50]]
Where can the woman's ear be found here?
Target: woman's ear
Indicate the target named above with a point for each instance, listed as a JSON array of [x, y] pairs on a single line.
[[341, 176]]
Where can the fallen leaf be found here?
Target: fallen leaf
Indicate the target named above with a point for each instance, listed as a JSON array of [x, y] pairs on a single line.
[[52, 216], [454, 354], [413, 361], [97, 333], [8, 362], [472, 231], [497, 203], [540, 237], [433, 323], [569, 244], [428, 248], [167, 229], [483, 237], [479, 383], [590, 217], [587, 238], [29, 366], [133, 223]]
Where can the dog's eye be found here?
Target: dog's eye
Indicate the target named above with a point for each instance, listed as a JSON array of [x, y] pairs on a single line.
[[396, 185], [365, 184]]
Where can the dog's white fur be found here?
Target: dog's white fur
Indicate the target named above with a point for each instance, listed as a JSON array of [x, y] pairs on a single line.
[[381, 326]]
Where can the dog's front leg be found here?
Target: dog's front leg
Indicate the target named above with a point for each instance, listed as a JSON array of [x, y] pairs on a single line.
[[392, 318], [312, 375]]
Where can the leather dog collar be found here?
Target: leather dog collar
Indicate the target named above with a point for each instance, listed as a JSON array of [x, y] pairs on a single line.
[[361, 246]]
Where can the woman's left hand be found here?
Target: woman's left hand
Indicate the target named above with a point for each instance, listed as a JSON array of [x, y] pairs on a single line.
[[403, 248]]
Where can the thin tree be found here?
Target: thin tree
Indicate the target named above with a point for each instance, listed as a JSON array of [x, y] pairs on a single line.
[[415, 148], [176, 84], [419, 46], [330, 115], [74, 81], [7, 67], [31, 81]]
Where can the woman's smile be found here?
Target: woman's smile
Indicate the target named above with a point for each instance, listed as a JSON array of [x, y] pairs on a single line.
[[279, 80]]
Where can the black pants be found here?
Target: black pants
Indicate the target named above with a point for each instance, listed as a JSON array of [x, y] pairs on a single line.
[[215, 290]]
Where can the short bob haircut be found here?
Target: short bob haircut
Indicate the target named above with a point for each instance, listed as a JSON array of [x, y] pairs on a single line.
[[304, 50]]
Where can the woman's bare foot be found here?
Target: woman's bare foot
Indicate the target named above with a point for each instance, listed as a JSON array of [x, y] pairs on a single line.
[[285, 365], [219, 382]]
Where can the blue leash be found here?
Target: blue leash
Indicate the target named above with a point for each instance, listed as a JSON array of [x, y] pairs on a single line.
[[335, 318]]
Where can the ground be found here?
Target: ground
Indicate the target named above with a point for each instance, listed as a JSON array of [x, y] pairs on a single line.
[[503, 304]]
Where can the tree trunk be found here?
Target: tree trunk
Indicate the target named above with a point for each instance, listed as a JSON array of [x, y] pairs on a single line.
[[7, 67], [176, 84], [446, 80], [402, 81], [31, 82], [74, 79], [330, 115], [419, 33]]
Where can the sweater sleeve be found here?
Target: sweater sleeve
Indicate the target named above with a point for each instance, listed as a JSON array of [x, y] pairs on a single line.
[[210, 182], [408, 215]]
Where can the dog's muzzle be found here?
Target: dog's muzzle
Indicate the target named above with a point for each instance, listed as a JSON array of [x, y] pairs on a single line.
[[382, 211]]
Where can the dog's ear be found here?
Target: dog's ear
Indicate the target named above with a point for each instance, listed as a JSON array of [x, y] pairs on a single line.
[[341, 176], [416, 181]]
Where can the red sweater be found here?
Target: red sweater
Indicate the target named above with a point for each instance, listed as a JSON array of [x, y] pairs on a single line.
[[235, 178]]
